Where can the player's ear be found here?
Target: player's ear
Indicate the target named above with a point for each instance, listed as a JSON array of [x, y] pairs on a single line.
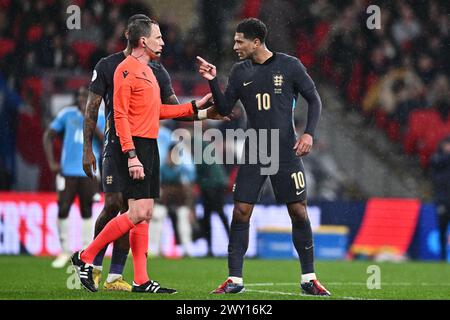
[[126, 35]]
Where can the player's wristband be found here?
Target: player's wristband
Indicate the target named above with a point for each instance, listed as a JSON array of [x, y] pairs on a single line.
[[194, 106], [202, 114]]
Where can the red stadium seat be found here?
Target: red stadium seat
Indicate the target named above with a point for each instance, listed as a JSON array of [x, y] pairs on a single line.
[[83, 50], [251, 8], [200, 89], [393, 130], [353, 90], [305, 50], [75, 83], [6, 46], [426, 129], [381, 119], [177, 88], [35, 33], [320, 33], [33, 83], [4, 4]]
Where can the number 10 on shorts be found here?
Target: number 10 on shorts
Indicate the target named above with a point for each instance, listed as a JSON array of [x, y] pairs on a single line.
[[299, 180]]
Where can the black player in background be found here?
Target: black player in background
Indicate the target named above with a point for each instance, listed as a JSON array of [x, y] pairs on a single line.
[[101, 87], [268, 83]]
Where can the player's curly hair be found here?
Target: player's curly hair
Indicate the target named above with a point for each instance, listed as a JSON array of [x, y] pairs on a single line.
[[253, 28]]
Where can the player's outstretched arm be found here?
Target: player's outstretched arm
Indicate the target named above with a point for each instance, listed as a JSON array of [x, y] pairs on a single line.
[[89, 129], [224, 102]]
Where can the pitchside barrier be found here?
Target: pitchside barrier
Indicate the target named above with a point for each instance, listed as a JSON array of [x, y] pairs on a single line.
[[388, 228]]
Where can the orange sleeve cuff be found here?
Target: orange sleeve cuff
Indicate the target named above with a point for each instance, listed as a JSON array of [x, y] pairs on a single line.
[[168, 111]]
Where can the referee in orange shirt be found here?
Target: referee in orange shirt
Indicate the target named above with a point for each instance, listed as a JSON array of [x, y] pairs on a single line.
[[137, 110]]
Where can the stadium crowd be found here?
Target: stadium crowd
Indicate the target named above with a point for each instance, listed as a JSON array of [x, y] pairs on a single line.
[[395, 76]]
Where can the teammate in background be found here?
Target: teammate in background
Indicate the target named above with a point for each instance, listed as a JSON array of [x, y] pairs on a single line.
[[177, 179], [137, 110], [268, 83], [102, 87], [70, 179]]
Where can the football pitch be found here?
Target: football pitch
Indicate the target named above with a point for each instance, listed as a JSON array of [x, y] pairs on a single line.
[[25, 277]]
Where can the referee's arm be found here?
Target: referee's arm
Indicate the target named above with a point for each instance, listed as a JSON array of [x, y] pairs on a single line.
[[122, 94]]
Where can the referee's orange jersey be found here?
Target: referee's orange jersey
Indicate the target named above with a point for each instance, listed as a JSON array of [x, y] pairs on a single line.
[[137, 103]]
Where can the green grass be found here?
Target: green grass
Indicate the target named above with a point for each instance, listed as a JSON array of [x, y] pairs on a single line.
[[24, 277]]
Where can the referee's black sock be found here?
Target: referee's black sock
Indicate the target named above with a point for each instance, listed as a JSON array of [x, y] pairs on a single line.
[[237, 248], [303, 243]]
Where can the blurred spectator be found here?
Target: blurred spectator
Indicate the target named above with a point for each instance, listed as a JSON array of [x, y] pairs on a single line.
[[426, 128], [425, 68], [53, 54], [90, 31], [439, 89], [173, 46], [177, 177], [279, 17], [213, 27], [440, 175], [407, 28], [9, 105]]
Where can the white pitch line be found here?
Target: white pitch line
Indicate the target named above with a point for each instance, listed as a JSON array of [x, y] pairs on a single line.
[[425, 284], [302, 295]]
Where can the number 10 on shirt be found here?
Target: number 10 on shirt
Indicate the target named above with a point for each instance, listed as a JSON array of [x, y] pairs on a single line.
[[263, 101]]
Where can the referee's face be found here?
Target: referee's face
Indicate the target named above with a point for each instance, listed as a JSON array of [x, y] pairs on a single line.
[[154, 42], [243, 47]]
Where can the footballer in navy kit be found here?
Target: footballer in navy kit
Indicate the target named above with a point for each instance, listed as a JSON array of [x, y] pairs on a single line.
[[268, 83]]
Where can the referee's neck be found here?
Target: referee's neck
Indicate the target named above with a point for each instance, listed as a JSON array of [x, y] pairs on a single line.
[[140, 55]]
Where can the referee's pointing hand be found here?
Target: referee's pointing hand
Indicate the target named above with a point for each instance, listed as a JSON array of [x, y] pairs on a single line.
[[135, 169]]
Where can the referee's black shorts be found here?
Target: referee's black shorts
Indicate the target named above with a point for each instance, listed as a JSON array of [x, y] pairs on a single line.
[[116, 176]]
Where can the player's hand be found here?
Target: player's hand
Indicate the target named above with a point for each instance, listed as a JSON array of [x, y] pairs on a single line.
[[213, 114], [203, 101], [54, 167], [136, 169], [209, 103], [89, 163], [206, 69], [303, 145]]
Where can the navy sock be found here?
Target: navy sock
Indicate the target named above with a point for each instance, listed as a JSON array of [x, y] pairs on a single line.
[[118, 259], [303, 242], [237, 248], [98, 260]]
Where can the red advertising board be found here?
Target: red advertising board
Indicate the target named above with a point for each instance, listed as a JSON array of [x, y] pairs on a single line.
[[28, 224]]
